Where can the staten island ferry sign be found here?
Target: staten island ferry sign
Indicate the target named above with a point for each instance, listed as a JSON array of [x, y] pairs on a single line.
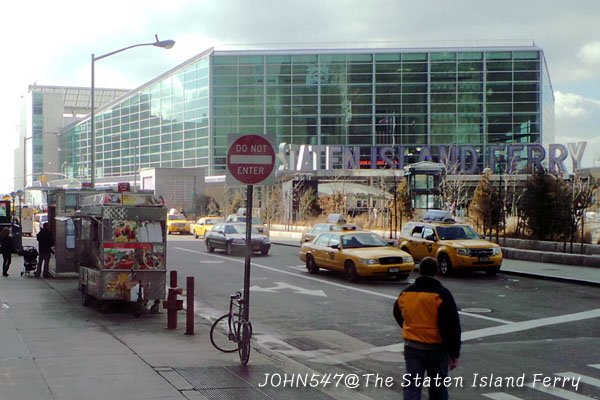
[[465, 159]]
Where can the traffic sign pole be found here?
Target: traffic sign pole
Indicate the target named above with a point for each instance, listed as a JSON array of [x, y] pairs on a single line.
[[248, 255], [250, 161]]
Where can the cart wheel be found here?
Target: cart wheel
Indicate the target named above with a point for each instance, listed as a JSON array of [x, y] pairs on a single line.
[[22, 273], [154, 307], [104, 308]]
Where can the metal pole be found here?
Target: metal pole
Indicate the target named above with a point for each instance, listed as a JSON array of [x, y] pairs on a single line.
[[248, 255], [92, 130]]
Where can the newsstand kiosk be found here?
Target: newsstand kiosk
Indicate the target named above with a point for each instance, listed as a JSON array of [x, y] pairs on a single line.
[[120, 242]]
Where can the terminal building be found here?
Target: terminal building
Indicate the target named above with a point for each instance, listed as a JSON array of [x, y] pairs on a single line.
[[360, 111]]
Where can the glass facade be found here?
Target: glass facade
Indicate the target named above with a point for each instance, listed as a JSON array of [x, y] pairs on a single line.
[[411, 98]]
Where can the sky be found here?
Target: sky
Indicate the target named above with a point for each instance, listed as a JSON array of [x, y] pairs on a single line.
[[51, 43]]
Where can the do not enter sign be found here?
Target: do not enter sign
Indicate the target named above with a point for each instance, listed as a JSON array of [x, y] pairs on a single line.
[[250, 159]]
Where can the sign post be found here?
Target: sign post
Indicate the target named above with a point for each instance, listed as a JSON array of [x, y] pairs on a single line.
[[250, 161]]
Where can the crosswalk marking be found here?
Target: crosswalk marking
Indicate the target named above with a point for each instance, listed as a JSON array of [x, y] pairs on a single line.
[[555, 391], [562, 393], [582, 378], [501, 396]]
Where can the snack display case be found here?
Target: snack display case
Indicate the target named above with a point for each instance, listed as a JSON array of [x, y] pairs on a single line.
[[121, 249]]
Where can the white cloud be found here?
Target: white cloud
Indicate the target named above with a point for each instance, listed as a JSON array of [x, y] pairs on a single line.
[[590, 54]]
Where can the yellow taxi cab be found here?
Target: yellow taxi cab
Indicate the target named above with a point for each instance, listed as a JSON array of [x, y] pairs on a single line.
[[204, 224], [357, 254], [456, 246], [177, 223]]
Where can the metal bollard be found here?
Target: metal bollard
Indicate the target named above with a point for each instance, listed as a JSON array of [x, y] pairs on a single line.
[[172, 304], [189, 311]]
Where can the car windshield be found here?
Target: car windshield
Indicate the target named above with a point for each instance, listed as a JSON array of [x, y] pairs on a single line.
[[214, 221], [457, 232], [359, 240], [239, 228], [255, 220], [177, 217]]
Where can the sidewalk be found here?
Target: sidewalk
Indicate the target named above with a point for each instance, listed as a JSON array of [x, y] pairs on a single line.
[[52, 347]]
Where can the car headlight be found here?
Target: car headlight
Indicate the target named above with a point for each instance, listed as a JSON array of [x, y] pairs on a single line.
[[463, 252], [238, 241], [368, 261], [496, 251], [407, 259]]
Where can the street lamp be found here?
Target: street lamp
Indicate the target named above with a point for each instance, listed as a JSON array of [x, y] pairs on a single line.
[[165, 44]]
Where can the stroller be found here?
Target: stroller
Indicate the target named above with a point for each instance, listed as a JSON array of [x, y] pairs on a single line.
[[30, 255]]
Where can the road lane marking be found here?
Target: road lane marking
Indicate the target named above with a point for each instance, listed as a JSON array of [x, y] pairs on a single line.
[[296, 289], [501, 396], [582, 378], [507, 327], [339, 285], [531, 324], [562, 393]]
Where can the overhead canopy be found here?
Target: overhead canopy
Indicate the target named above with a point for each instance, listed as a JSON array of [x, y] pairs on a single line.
[[349, 188]]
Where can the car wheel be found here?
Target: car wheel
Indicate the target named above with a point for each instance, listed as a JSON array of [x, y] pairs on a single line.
[[209, 246], [350, 271], [264, 251], [492, 271], [228, 249], [195, 235], [311, 266], [445, 265]]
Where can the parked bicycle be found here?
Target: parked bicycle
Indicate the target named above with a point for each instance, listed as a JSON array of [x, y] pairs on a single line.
[[238, 331]]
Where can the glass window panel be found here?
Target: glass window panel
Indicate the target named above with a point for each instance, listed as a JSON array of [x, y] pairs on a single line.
[[443, 67], [527, 65], [387, 57], [526, 107], [526, 76], [225, 70], [357, 57], [526, 55], [499, 66], [388, 78], [499, 107], [469, 107], [526, 97], [414, 98], [255, 59], [279, 59], [414, 57], [414, 108], [251, 70], [469, 55], [225, 60], [443, 108], [414, 88], [304, 58], [388, 68], [526, 87], [443, 98], [498, 55], [443, 87], [443, 56], [499, 76], [444, 77], [470, 86], [498, 97], [414, 78], [224, 80]]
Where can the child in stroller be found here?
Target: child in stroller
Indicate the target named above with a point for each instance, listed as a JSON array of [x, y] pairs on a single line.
[[30, 255]]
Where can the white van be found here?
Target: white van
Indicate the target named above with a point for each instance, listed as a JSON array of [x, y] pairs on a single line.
[[38, 221]]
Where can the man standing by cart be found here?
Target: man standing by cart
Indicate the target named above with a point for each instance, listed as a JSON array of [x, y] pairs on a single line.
[[45, 243]]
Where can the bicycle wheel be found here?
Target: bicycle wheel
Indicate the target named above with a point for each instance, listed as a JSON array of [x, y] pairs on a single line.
[[221, 337], [244, 336]]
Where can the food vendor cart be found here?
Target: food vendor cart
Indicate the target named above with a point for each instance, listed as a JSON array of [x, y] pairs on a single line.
[[120, 242]]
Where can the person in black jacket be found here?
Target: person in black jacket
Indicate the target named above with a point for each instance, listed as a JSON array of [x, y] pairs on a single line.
[[6, 248], [45, 243], [428, 316]]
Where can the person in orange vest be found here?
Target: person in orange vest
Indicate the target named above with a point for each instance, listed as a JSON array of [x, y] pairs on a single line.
[[428, 316]]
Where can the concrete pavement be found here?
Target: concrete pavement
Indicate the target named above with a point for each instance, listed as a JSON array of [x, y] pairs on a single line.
[[52, 347]]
